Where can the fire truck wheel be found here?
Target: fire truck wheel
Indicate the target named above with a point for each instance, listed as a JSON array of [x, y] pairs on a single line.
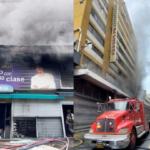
[[133, 139]]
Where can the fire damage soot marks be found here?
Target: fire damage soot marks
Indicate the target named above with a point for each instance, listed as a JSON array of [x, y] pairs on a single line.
[[21, 70]]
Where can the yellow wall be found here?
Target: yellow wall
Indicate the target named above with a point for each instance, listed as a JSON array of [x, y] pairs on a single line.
[[82, 19], [108, 40]]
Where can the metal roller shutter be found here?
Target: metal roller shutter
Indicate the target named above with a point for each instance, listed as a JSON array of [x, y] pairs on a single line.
[[85, 99], [85, 111], [49, 127], [32, 108]]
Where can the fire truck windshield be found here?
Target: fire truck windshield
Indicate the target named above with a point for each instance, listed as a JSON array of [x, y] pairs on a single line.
[[117, 106], [114, 106]]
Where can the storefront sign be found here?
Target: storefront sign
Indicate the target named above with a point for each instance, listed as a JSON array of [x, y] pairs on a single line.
[[24, 76], [114, 34], [33, 70], [6, 88]]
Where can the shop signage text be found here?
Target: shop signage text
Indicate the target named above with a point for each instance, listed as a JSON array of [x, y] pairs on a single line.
[[6, 88], [114, 34]]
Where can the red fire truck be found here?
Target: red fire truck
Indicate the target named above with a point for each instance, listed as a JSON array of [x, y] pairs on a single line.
[[121, 122]]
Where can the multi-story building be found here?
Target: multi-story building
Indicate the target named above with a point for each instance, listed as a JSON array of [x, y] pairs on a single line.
[[107, 48]]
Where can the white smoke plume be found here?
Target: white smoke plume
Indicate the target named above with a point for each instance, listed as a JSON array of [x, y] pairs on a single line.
[[36, 22], [139, 15]]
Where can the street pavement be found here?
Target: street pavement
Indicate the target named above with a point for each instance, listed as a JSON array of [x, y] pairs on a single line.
[[145, 144]]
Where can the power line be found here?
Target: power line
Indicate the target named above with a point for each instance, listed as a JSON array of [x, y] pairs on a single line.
[[136, 7]]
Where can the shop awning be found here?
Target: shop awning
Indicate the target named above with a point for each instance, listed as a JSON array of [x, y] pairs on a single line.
[[31, 96], [99, 81]]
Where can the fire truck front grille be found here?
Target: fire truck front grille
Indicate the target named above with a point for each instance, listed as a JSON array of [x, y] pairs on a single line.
[[102, 124], [106, 125], [110, 125]]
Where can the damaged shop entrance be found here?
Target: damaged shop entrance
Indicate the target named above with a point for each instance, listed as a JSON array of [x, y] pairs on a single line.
[[68, 113], [5, 119], [24, 127]]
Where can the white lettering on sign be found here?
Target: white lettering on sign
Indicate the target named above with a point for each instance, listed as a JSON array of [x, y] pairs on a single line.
[[13, 79], [1, 71], [7, 73], [4, 88], [2, 78]]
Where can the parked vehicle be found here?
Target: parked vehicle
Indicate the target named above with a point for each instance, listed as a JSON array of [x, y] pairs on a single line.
[[121, 122]]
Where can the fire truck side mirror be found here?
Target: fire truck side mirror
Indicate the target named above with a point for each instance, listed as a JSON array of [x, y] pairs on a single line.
[[137, 110], [137, 107]]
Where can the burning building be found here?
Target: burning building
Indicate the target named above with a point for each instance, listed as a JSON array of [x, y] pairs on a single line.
[[36, 90], [105, 56]]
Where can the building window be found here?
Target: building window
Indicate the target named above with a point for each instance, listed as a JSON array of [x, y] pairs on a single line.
[[128, 38], [110, 78], [123, 45], [123, 65], [121, 75], [89, 64], [101, 9], [124, 56], [122, 33], [124, 14], [95, 34], [127, 21], [100, 23], [81, 2], [122, 25], [114, 67], [97, 51], [105, 3]]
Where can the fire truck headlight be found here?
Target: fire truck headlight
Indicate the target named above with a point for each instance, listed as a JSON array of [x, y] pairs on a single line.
[[98, 126], [91, 131], [124, 130]]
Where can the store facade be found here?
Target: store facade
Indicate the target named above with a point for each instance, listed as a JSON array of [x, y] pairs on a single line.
[[34, 118], [36, 90]]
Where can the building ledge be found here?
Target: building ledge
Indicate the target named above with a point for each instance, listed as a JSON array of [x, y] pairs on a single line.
[[99, 81]]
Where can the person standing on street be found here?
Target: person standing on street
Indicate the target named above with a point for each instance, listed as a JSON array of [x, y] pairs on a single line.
[[69, 122]]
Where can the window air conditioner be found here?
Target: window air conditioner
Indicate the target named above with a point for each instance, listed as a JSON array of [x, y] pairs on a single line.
[[88, 43]]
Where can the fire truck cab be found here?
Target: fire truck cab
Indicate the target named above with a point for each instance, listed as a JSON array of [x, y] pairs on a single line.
[[121, 122]]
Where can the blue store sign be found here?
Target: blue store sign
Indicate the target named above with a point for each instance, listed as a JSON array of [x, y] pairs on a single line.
[[6, 88]]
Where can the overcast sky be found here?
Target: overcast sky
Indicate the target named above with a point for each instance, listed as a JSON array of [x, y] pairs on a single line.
[[139, 12]]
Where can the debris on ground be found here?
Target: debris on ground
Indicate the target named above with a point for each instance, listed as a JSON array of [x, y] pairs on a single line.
[[44, 147], [48, 144], [21, 142]]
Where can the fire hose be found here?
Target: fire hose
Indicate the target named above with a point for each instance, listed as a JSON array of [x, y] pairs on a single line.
[[28, 146], [80, 142]]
